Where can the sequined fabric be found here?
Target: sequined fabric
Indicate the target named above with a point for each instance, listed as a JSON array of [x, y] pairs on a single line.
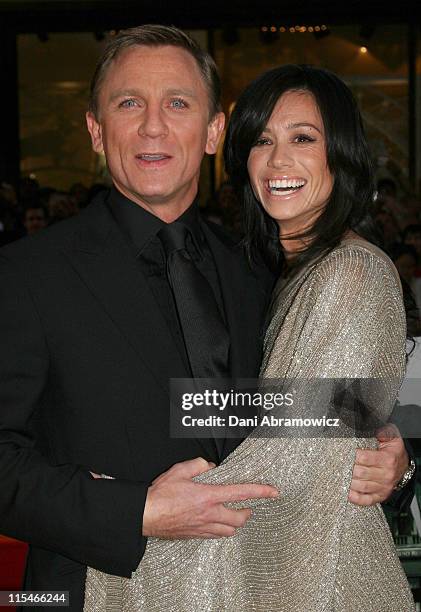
[[310, 550]]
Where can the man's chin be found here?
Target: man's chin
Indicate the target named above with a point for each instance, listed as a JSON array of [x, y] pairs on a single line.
[[145, 197], [162, 203]]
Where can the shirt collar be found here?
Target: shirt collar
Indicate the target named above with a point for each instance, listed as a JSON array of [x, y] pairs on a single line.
[[141, 226]]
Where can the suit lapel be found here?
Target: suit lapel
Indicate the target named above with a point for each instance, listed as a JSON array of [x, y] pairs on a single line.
[[103, 259], [244, 302], [105, 263]]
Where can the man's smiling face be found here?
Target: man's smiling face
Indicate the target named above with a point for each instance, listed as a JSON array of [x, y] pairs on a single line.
[[153, 126]]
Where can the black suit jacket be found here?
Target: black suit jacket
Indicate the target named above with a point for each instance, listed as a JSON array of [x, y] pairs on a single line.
[[85, 363]]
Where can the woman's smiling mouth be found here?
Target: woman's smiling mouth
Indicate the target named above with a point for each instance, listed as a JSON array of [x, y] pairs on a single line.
[[284, 186]]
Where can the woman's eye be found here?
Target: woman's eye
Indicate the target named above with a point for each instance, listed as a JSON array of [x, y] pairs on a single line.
[[262, 141], [303, 138], [178, 103]]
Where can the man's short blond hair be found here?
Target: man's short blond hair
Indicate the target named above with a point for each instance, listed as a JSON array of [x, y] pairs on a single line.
[[154, 35]]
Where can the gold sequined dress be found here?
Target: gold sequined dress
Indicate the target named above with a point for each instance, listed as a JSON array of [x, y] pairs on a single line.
[[310, 550]]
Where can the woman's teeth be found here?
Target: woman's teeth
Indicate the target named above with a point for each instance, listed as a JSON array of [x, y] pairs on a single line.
[[285, 186]]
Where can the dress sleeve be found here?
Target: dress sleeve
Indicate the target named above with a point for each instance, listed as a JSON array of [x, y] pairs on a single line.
[[347, 321]]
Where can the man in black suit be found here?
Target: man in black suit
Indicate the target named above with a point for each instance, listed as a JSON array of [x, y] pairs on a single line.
[[91, 335]]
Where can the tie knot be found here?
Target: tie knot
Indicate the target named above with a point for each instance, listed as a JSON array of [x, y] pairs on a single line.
[[173, 237]]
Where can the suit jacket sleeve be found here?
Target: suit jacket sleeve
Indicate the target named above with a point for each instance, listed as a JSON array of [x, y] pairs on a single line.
[[59, 508]]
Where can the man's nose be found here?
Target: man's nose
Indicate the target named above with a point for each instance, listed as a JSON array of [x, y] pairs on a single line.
[[281, 156], [152, 123]]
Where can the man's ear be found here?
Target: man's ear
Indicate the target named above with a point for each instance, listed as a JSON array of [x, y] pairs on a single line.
[[95, 130], [215, 129]]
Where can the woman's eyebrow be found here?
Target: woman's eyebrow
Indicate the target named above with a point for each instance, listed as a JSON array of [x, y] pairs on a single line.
[[291, 126]]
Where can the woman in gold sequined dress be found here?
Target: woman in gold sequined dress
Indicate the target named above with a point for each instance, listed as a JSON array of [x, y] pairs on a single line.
[[296, 150]]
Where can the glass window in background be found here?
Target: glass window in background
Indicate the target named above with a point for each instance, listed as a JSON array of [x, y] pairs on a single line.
[[54, 75], [372, 60]]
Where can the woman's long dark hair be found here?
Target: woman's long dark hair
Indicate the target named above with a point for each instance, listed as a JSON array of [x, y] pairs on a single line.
[[347, 155], [351, 200]]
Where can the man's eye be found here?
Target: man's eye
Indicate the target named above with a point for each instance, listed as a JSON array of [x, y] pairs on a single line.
[[130, 103], [178, 103]]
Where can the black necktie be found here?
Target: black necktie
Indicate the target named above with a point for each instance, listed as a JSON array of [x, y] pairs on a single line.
[[205, 335]]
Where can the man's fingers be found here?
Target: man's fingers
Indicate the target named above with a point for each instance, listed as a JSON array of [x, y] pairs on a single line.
[[373, 473], [193, 467], [185, 469], [371, 492], [177, 507], [361, 499], [208, 532], [364, 486], [240, 492], [233, 518], [377, 466], [383, 467], [218, 530], [368, 458], [374, 458], [387, 433]]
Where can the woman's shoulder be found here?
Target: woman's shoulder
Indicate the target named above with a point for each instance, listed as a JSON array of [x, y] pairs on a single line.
[[356, 258], [355, 268], [357, 245]]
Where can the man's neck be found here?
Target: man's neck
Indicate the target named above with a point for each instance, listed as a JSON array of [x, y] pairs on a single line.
[[166, 211]]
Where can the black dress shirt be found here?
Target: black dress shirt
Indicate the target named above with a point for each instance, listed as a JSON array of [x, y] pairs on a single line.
[[141, 229]]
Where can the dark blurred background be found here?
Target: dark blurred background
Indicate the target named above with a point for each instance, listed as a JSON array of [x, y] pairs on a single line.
[[48, 172]]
